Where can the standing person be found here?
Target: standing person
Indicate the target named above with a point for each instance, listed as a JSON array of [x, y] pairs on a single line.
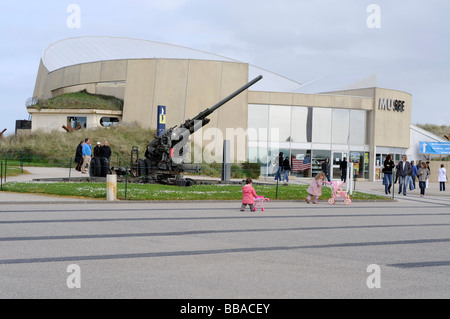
[[326, 168], [404, 170], [315, 188], [105, 151], [87, 155], [287, 168], [442, 176], [343, 167], [412, 185], [248, 195], [79, 156], [147, 152], [280, 166], [429, 171], [422, 174], [388, 166], [97, 149]]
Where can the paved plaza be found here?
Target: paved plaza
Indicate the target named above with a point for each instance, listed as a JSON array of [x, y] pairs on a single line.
[[54, 248]]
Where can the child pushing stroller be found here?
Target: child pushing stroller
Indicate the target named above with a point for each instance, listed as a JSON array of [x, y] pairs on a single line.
[[249, 197], [315, 188]]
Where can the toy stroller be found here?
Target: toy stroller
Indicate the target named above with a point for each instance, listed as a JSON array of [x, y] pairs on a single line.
[[338, 194], [259, 202]]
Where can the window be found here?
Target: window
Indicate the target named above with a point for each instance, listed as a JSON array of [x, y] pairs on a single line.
[[76, 123], [274, 159], [301, 163], [341, 129], [321, 125], [259, 155], [318, 158], [109, 121], [301, 130], [280, 122], [258, 121], [358, 127]]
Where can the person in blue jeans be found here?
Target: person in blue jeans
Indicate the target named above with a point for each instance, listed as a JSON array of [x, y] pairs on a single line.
[[280, 166], [287, 168], [388, 166], [412, 182], [404, 171]]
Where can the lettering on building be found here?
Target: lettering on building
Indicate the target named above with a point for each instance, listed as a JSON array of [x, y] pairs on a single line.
[[391, 105]]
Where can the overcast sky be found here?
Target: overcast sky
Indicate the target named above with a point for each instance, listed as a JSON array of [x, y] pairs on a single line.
[[406, 47]]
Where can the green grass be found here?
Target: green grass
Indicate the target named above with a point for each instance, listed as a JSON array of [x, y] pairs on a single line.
[[58, 148], [13, 171], [81, 100], [165, 192]]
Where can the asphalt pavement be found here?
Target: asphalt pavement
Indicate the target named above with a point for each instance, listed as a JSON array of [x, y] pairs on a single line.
[[60, 248]]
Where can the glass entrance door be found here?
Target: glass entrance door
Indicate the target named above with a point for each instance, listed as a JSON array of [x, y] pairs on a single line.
[[338, 157]]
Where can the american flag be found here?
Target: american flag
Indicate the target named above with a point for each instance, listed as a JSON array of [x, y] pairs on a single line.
[[301, 165]]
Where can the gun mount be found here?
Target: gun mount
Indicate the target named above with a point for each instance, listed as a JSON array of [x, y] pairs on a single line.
[[166, 153]]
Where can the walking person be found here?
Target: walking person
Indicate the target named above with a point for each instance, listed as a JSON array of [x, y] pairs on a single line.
[[248, 195], [388, 166], [280, 167], [87, 155], [412, 184], [442, 177], [404, 170], [422, 174], [287, 169], [315, 188]]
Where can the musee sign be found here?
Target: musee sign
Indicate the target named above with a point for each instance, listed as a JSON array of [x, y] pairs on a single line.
[[392, 105]]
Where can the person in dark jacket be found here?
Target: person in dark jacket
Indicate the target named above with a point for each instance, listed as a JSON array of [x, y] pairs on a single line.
[[343, 167], [287, 168], [326, 168], [105, 151], [388, 166], [404, 171], [79, 156], [96, 149]]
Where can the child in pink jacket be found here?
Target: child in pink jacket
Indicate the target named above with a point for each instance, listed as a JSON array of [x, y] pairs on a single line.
[[315, 188], [248, 195]]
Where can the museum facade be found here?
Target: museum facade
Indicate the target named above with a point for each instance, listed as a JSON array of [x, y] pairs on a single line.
[[361, 124]]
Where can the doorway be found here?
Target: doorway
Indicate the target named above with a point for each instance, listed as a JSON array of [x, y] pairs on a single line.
[[338, 157]]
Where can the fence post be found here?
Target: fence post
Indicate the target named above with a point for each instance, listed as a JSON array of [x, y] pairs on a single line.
[[70, 167], [350, 178], [6, 167], [21, 161], [111, 187], [394, 173], [126, 182]]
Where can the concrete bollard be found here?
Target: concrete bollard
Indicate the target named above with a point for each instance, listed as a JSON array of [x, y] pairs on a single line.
[[111, 187]]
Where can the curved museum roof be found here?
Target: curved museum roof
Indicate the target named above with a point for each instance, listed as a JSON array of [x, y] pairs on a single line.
[[73, 51]]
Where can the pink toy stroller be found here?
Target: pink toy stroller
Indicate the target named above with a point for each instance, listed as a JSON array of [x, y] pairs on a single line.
[[338, 193], [259, 202]]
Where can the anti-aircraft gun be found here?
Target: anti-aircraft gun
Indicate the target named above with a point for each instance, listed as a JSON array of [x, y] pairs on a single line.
[[166, 158]]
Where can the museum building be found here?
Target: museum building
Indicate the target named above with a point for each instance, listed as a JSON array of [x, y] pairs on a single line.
[[361, 124]]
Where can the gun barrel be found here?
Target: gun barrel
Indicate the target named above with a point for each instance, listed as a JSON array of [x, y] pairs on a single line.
[[210, 110]]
